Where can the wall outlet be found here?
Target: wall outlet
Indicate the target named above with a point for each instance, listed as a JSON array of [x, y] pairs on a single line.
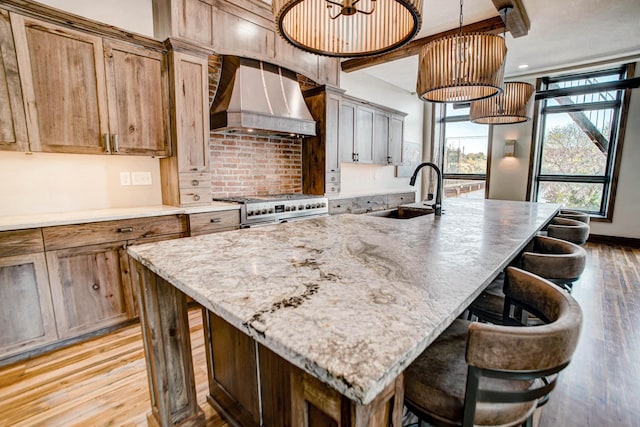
[[125, 178], [141, 178]]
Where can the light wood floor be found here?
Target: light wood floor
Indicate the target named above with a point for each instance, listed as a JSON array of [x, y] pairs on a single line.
[[103, 381]]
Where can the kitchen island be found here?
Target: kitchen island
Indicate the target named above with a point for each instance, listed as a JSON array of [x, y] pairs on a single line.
[[316, 320]]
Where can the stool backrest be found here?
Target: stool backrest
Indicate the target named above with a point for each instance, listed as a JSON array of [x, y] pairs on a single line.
[[567, 229], [575, 215], [554, 259]]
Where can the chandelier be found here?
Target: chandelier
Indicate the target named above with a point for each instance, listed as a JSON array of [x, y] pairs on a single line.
[[513, 105], [461, 67], [347, 28]]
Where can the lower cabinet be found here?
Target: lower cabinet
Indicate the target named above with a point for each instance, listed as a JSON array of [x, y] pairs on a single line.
[[26, 311], [90, 287]]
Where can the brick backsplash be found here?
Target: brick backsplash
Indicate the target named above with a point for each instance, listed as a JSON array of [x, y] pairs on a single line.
[[245, 165]]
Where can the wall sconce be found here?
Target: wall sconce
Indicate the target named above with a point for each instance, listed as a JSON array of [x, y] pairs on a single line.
[[509, 148]]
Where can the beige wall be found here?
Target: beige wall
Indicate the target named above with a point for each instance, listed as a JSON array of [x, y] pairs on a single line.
[[42, 183], [509, 175], [366, 179]]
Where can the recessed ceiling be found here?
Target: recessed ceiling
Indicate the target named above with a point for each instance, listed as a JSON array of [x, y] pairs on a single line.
[[563, 33]]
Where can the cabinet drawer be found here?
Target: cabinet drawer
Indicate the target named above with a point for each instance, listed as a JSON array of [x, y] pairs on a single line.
[[368, 204], [332, 188], [69, 236], [21, 242], [195, 196], [339, 206], [195, 180], [212, 222], [394, 200]]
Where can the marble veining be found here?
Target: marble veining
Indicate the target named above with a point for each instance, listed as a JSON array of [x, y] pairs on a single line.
[[19, 222], [351, 299]]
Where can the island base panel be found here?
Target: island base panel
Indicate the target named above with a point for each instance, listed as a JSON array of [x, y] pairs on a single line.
[[284, 395], [165, 331]]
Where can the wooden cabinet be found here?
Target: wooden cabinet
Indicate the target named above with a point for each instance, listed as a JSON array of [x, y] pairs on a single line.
[[370, 133], [26, 310], [186, 177], [321, 153], [214, 222], [89, 269], [85, 94], [13, 125]]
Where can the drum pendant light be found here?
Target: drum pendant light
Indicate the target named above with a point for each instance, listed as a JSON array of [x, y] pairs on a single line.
[[347, 28], [513, 105], [462, 67]]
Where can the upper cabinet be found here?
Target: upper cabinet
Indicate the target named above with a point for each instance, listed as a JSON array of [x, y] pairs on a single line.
[[87, 94], [370, 133], [13, 126]]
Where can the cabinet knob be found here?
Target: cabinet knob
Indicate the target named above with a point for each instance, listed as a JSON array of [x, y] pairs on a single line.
[[195, 182], [125, 230], [95, 286], [196, 197]]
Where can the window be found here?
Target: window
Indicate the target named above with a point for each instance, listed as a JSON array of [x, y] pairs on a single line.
[[577, 141], [465, 148]]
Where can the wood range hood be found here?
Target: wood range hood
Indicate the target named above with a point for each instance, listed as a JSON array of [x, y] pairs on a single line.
[[260, 99]]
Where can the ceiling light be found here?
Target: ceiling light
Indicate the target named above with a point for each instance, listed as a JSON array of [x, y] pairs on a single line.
[[347, 28], [513, 105], [462, 67], [523, 66]]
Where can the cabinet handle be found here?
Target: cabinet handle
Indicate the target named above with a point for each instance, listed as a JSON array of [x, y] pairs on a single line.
[[357, 157], [195, 182], [95, 286], [194, 169], [116, 146], [106, 142], [125, 230], [353, 157], [196, 197], [389, 159], [216, 220]]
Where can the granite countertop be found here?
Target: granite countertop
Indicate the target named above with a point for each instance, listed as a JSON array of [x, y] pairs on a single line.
[[351, 299], [19, 222]]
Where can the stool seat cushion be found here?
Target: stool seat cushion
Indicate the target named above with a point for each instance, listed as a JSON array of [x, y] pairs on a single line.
[[435, 383]]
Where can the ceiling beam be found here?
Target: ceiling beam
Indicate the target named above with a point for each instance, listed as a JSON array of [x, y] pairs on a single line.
[[492, 25], [518, 23]]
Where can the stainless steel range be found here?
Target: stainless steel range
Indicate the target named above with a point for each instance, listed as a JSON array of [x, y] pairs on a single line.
[[279, 208]]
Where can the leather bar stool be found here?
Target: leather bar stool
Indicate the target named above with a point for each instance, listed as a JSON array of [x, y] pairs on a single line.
[[571, 230], [556, 260], [575, 215], [490, 375]]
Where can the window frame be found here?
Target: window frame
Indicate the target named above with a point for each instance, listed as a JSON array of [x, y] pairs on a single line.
[[444, 119], [609, 179]]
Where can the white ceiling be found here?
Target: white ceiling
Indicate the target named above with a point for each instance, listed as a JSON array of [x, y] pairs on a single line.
[[563, 33]]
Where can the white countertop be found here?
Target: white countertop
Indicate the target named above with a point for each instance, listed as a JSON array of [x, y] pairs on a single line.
[[351, 299], [18, 222]]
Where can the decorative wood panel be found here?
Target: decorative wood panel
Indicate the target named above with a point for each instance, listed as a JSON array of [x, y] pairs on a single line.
[[62, 76], [396, 140], [13, 125], [363, 146], [89, 289], [238, 33], [196, 21], [137, 83], [26, 311], [21, 242], [347, 131], [381, 125]]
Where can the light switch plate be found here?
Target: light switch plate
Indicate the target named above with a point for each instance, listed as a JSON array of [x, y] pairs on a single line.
[[141, 178], [125, 178]]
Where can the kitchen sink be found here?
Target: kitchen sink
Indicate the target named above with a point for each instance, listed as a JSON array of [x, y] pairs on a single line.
[[402, 213]]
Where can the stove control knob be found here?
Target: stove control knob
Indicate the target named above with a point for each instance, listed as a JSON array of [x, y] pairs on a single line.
[[308, 207], [323, 204], [249, 213], [270, 210], [264, 211], [301, 207], [287, 208], [256, 212], [293, 208]]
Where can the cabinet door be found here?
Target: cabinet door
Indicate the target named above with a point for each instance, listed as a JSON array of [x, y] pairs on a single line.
[[380, 138], [396, 139], [346, 131], [26, 312], [190, 90], [138, 95], [332, 134], [90, 287], [62, 76], [13, 125], [364, 134]]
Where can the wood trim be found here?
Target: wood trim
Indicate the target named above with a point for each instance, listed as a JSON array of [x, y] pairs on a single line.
[[532, 148], [487, 175], [518, 23], [622, 128], [630, 242], [492, 26]]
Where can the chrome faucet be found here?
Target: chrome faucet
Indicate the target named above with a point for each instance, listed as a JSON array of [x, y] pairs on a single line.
[[437, 206]]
